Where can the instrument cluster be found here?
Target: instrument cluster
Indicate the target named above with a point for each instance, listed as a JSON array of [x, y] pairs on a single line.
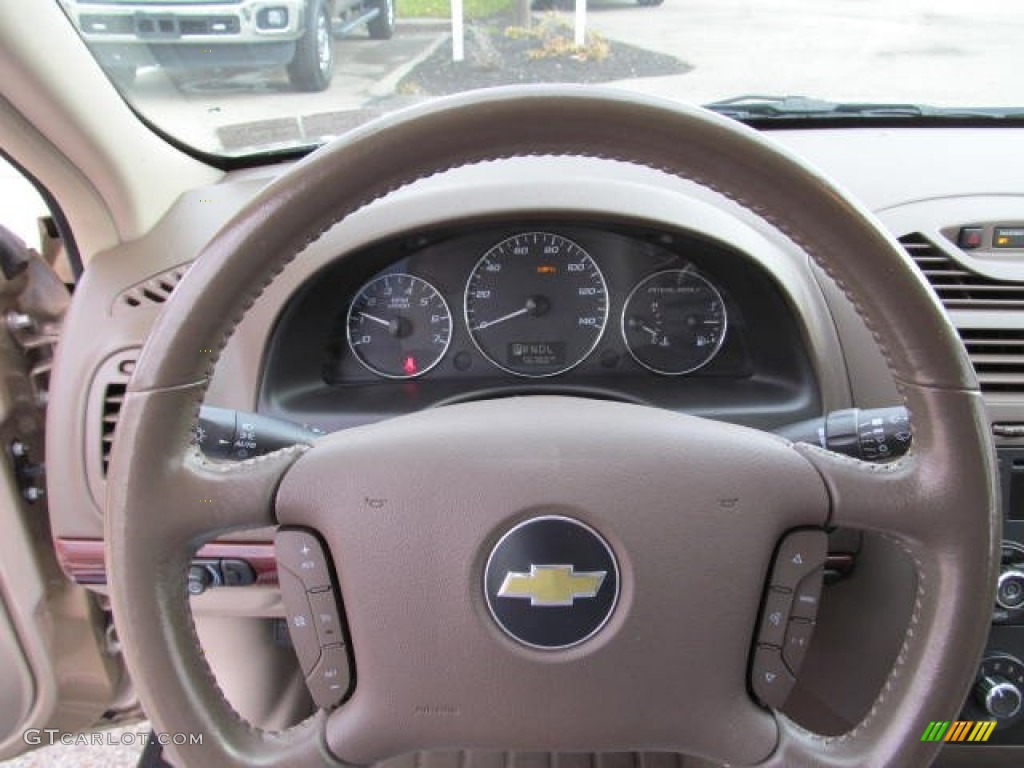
[[613, 310], [536, 304]]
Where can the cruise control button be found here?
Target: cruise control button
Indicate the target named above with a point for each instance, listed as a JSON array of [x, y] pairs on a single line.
[[769, 677], [798, 639], [807, 596], [799, 554], [330, 679], [326, 617], [301, 553], [301, 626], [774, 618]]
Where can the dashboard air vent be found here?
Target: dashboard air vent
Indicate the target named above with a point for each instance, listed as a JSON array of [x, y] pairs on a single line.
[[957, 287], [152, 292], [113, 398], [997, 356]]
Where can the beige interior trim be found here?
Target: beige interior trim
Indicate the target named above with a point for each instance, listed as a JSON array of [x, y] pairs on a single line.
[[81, 202], [48, 638], [90, 150]]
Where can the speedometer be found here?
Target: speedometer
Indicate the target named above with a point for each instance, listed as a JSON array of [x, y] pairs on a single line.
[[536, 304]]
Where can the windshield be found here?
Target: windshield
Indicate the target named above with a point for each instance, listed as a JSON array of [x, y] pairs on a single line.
[[242, 77]]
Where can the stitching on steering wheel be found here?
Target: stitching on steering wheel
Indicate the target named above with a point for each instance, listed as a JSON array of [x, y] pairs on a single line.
[[901, 657], [319, 229]]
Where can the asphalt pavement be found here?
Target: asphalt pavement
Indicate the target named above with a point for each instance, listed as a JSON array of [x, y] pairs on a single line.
[[934, 51], [227, 111], [942, 52]]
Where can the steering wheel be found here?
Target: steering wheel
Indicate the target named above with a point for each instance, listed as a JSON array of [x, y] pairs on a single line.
[[668, 671]]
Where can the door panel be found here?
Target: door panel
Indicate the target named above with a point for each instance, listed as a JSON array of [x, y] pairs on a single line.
[[56, 668]]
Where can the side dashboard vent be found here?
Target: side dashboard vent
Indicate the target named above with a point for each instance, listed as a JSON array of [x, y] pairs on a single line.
[[113, 399], [107, 393], [106, 398], [957, 287], [152, 292], [997, 356]]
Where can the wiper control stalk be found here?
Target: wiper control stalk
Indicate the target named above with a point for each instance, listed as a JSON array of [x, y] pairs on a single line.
[[874, 434]]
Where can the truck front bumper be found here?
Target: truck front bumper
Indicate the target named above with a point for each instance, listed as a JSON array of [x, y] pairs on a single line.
[[225, 23]]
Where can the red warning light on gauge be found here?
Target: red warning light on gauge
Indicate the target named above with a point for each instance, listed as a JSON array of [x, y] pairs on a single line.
[[399, 326]]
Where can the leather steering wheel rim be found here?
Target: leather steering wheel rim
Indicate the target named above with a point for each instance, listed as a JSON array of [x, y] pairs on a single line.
[[940, 503]]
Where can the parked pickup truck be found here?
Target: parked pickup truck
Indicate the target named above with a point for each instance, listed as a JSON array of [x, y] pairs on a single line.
[[250, 34]]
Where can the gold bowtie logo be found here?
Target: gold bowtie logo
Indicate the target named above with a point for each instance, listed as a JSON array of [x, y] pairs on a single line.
[[551, 585]]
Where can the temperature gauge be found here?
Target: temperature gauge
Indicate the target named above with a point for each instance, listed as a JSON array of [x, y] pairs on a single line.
[[399, 326], [674, 322]]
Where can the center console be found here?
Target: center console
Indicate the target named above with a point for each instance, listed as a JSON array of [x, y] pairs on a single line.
[[998, 692]]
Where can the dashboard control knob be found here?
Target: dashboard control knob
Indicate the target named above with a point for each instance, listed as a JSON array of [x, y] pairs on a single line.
[[1010, 589], [1000, 697], [200, 577]]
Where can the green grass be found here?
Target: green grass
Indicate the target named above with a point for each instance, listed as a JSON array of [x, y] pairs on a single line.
[[441, 9]]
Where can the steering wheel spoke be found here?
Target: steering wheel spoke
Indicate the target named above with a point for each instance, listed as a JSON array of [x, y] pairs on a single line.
[[204, 498], [913, 497], [236, 495], [866, 496], [911, 500]]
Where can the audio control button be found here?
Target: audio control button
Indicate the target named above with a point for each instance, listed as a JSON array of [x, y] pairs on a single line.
[[799, 554], [1010, 589], [798, 640], [301, 553], [330, 679], [808, 595], [998, 691], [1000, 697], [774, 618], [769, 677], [301, 626], [326, 617]]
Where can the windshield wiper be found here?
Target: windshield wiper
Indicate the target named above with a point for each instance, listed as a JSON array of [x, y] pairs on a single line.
[[755, 106]]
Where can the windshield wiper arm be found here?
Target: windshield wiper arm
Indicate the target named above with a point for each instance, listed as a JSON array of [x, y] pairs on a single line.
[[752, 106]]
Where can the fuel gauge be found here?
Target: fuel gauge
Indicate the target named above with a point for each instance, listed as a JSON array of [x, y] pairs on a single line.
[[674, 322]]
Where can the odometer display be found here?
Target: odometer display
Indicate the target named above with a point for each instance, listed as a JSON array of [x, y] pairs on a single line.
[[399, 326], [536, 304]]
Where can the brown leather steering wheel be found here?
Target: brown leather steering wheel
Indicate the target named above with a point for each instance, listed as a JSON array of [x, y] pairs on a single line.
[[668, 672]]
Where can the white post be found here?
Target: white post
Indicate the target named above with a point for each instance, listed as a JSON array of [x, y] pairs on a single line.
[[458, 32], [580, 36]]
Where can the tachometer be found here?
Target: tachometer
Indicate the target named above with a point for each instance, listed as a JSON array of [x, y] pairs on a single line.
[[674, 322], [399, 326], [536, 304]]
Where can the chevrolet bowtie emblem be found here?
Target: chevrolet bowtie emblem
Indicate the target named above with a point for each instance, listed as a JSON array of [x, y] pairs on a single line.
[[551, 585]]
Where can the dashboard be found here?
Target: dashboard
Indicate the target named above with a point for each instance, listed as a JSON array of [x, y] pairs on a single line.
[[616, 311], [781, 343]]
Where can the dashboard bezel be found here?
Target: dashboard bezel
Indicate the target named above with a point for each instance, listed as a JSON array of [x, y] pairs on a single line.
[[763, 375]]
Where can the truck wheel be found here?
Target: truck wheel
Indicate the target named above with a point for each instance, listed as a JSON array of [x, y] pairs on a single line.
[[382, 26], [312, 67]]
